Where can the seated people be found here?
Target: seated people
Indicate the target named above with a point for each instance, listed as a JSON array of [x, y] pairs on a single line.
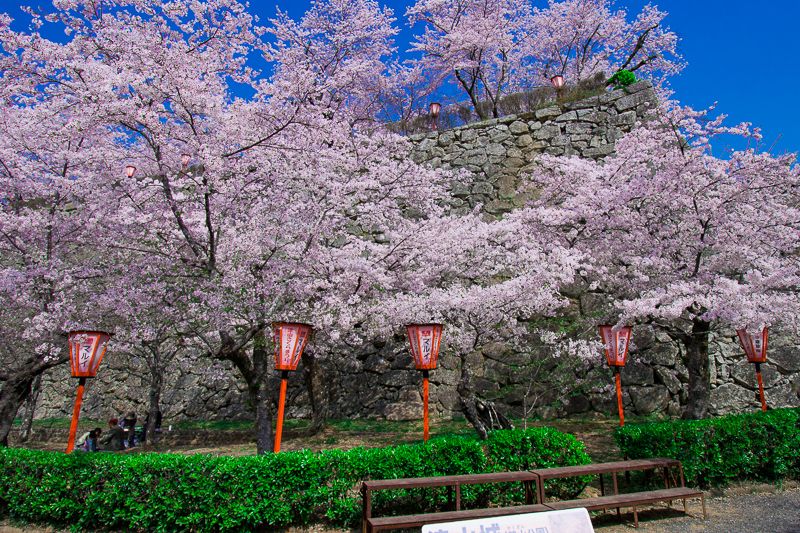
[[114, 440], [88, 441]]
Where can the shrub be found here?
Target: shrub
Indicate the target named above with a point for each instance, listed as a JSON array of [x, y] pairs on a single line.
[[715, 451], [622, 78], [166, 492]]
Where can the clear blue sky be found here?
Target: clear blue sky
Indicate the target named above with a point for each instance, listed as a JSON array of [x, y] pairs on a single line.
[[742, 54]]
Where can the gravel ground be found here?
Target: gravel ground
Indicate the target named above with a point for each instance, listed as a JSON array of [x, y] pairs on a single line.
[[743, 509]]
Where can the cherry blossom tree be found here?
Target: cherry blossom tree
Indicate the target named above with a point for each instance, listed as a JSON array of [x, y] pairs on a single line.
[[678, 237], [580, 38], [491, 48], [49, 258], [473, 41], [274, 207]]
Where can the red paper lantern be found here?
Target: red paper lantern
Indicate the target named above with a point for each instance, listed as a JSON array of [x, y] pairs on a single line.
[[130, 170], [86, 351], [434, 110], [755, 347], [185, 158], [557, 81], [616, 343], [425, 340], [290, 341]]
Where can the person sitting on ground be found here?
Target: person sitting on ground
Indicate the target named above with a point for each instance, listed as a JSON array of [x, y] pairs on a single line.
[[93, 438], [114, 440], [82, 444]]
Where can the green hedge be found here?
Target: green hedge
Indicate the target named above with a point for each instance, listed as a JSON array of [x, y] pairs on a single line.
[[166, 492], [715, 451]]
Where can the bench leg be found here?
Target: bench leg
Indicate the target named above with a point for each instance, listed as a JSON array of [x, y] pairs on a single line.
[[635, 517], [685, 507], [703, 502]]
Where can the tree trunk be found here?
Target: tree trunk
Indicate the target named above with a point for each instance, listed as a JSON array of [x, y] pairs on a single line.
[[314, 377], [482, 414], [30, 409], [15, 390], [696, 344], [260, 388], [154, 402]]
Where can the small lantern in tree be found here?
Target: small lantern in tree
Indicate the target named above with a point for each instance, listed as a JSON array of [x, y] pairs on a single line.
[[290, 341], [185, 158], [86, 351], [425, 340], [558, 84], [130, 170], [617, 341], [435, 108], [755, 347]]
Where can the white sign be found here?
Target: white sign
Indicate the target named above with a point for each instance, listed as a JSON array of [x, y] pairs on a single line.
[[567, 521]]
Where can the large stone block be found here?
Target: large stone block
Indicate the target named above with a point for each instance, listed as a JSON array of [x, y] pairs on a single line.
[[647, 400]]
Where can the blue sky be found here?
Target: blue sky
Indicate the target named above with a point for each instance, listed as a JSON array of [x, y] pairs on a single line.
[[741, 54]]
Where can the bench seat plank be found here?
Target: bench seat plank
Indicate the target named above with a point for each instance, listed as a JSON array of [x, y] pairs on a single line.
[[443, 481], [396, 522], [627, 500], [603, 468]]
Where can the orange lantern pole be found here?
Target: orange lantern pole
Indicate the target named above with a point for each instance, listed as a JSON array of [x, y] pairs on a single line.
[[86, 351], [755, 347], [617, 342], [290, 341], [425, 340]]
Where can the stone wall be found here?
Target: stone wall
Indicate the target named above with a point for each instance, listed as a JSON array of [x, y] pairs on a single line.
[[379, 380], [495, 152]]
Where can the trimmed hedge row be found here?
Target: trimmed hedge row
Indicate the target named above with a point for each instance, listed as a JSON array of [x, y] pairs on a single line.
[[167, 492], [715, 451]]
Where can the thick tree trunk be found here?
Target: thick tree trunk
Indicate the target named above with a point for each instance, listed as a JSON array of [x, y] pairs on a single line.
[[696, 344], [482, 414], [154, 403], [30, 409], [15, 390], [318, 392], [260, 388], [262, 399]]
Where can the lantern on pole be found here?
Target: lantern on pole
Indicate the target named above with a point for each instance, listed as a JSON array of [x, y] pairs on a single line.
[[185, 158], [130, 170], [290, 341], [755, 347], [86, 350], [425, 340], [616, 343], [435, 108]]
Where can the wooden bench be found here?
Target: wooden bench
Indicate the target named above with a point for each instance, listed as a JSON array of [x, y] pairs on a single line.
[[614, 468], [454, 483], [672, 490], [632, 500]]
